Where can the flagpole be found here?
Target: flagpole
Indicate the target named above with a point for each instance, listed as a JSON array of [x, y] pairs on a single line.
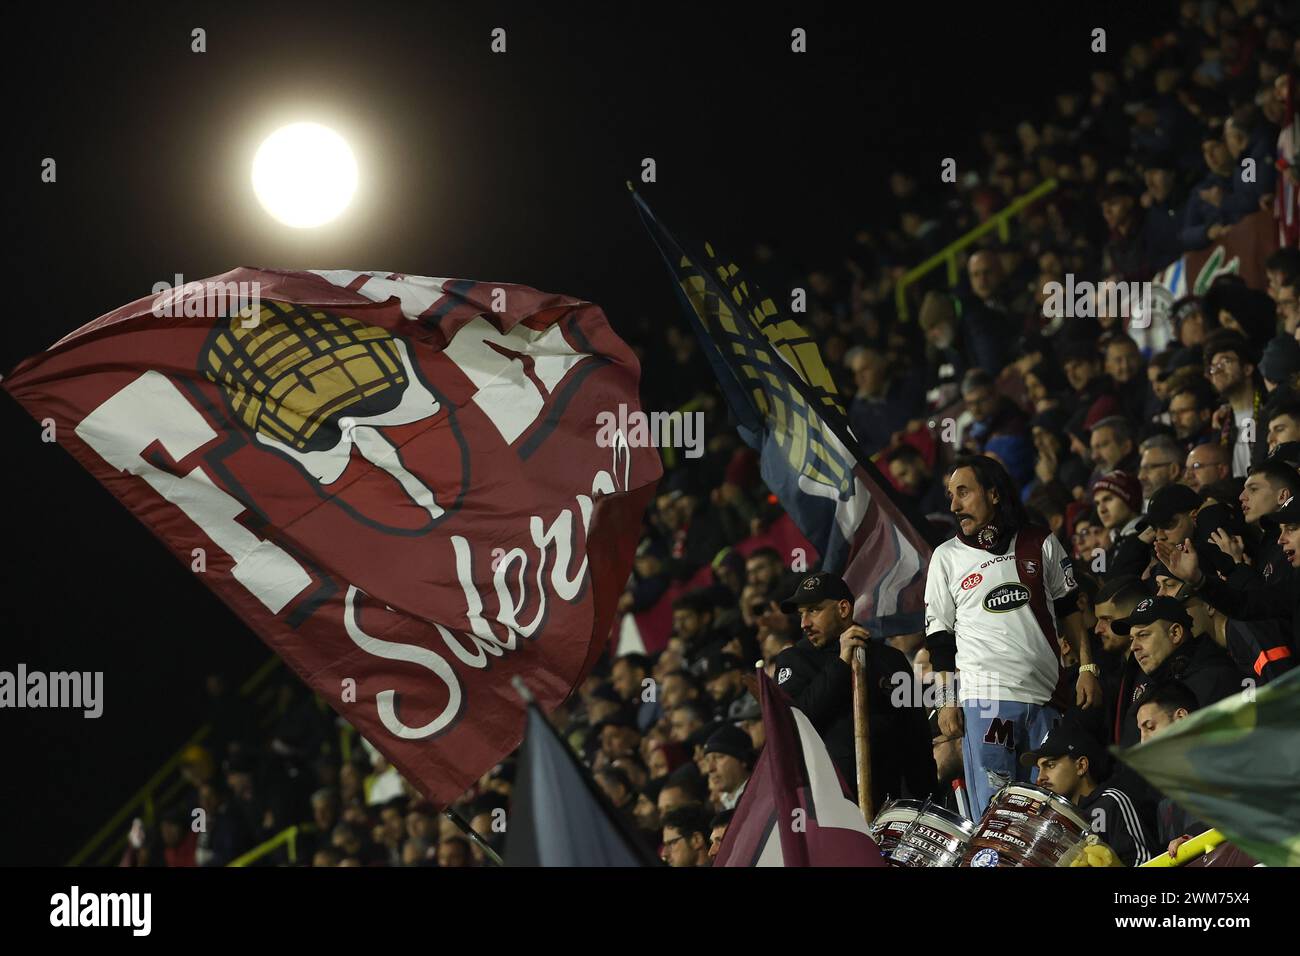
[[473, 835], [862, 733]]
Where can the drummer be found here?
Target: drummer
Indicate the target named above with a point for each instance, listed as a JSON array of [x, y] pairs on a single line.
[[1072, 764]]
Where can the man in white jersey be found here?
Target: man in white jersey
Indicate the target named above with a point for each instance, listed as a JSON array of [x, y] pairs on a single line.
[[993, 598]]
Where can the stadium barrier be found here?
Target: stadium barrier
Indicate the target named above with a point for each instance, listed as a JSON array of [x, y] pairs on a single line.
[[1000, 220], [287, 838], [1191, 850]]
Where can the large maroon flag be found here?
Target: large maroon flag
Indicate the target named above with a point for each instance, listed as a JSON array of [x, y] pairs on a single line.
[[397, 482], [795, 811]]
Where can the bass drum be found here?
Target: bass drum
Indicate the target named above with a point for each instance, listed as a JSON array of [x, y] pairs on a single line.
[[1026, 825], [916, 834]]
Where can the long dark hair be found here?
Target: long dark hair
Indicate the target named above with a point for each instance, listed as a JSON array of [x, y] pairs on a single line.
[[1010, 515]]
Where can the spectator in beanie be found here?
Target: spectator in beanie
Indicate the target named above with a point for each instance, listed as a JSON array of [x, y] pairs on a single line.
[[729, 760], [1118, 500]]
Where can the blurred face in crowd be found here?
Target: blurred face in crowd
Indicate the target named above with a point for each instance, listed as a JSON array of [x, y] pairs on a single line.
[[1063, 775], [1085, 533], [725, 686], [941, 334], [1282, 428], [1107, 452], [676, 691], [1079, 372], [626, 679], [1116, 210], [1288, 537], [420, 826], [1178, 530], [1154, 642], [1187, 417], [1160, 183], [981, 400], [1157, 468], [453, 853], [715, 841], [1226, 371], [985, 274], [1113, 510], [973, 505], [657, 761], [1111, 642], [762, 572], [683, 723], [1191, 328], [648, 565], [670, 798], [908, 472], [726, 773], [645, 813], [682, 850], [1123, 361], [1235, 139], [619, 741], [1045, 442], [823, 622], [1259, 498], [870, 372], [1217, 157], [1206, 464], [1153, 718], [688, 624], [1035, 390], [324, 813]]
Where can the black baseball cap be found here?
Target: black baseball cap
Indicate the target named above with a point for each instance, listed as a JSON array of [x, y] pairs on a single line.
[[1067, 740], [816, 588], [1169, 501], [1289, 513], [1152, 609]]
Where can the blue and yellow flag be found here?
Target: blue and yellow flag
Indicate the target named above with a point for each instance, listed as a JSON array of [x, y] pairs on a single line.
[[788, 409]]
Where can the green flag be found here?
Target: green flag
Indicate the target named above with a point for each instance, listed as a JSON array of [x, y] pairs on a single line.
[[1236, 765]]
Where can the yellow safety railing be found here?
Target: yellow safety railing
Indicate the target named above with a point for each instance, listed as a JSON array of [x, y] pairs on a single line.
[[287, 837], [160, 790], [1000, 220], [1192, 849]]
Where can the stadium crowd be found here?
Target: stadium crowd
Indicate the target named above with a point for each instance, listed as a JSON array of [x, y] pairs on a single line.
[[1163, 459]]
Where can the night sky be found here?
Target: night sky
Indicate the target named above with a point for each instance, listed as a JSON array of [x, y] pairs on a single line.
[[505, 167]]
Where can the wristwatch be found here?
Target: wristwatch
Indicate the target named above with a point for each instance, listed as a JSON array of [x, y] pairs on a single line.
[[1089, 669]]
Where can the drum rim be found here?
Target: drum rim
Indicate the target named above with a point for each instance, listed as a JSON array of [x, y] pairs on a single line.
[[1054, 800], [965, 827]]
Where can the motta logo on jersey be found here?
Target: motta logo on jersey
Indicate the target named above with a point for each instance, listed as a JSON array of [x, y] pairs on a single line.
[[1006, 597], [971, 581]]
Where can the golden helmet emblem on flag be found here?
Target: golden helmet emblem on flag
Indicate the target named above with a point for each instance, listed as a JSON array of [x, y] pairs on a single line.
[[312, 385], [292, 371]]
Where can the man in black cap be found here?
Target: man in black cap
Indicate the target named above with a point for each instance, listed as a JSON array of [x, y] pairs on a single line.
[[817, 674], [1072, 764], [1166, 648], [722, 675], [728, 761]]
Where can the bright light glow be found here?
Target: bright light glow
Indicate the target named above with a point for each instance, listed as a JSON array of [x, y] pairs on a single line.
[[304, 175]]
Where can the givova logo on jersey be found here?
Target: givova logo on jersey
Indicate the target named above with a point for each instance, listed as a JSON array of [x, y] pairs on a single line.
[[1006, 597]]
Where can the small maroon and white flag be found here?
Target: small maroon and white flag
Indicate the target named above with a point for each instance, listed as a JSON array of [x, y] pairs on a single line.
[[795, 810], [397, 482]]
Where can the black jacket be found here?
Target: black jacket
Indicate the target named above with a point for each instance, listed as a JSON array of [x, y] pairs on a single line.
[[1259, 604], [820, 684], [1202, 665], [1119, 823]]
